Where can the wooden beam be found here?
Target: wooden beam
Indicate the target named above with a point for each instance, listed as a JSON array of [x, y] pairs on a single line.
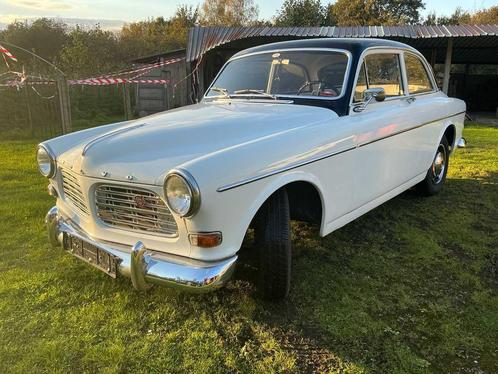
[[127, 102], [447, 66], [65, 104]]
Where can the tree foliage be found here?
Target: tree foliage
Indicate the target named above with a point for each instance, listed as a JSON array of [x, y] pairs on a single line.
[[45, 37], [301, 13], [375, 12], [462, 17], [159, 34], [89, 51], [229, 12]]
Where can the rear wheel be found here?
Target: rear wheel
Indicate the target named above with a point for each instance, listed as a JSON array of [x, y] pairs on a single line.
[[273, 241], [436, 175]]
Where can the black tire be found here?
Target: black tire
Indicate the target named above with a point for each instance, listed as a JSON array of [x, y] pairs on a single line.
[[435, 178], [273, 241]]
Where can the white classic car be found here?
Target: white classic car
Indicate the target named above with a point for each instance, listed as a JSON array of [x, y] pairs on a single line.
[[319, 130]]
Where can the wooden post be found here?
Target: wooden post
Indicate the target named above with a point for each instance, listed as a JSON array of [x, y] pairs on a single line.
[[65, 104], [127, 102], [447, 66], [28, 106], [433, 59]]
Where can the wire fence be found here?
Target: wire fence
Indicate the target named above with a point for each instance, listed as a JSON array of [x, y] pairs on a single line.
[[33, 111]]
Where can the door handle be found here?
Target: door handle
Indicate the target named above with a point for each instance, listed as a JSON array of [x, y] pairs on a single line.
[[410, 99]]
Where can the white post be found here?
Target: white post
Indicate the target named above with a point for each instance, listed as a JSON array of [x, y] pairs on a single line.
[[447, 66]]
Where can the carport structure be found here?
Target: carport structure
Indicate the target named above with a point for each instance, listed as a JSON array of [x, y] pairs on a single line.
[[464, 57]]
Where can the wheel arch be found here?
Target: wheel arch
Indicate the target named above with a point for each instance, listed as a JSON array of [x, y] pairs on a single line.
[[295, 182], [450, 134]]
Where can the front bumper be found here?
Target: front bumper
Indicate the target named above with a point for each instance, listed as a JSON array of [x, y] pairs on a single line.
[[146, 267]]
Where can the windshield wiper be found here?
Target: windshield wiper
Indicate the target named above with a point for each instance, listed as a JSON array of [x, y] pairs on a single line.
[[221, 90], [255, 92]]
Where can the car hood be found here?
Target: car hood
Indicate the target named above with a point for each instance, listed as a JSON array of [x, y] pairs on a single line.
[[144, 150]]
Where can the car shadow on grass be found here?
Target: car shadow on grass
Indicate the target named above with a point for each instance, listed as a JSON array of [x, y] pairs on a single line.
[[403, 288]]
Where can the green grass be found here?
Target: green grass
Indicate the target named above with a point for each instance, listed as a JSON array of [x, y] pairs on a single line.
[[411, 287]]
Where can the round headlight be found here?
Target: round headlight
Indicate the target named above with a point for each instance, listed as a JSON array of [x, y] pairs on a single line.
[[46, 161], [182, 193]]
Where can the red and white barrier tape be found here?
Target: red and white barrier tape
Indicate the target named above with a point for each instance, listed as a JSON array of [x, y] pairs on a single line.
[[6, 52], [90, 82], [109, 81], [141, 69]]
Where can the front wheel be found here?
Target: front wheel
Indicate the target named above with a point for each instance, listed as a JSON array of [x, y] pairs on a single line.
[[273, 241], [436, 175]]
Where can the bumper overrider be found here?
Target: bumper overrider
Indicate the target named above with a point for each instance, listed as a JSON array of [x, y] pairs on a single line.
[[145, 267]]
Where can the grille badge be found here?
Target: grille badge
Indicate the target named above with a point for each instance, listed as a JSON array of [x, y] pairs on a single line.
[[140, 201]]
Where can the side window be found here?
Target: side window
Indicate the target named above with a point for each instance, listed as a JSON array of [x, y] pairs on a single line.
[[416, 75], [361, 85], [383, 71]]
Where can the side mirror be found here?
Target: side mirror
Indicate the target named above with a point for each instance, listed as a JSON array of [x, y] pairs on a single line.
[[376, 93], [368, 95]]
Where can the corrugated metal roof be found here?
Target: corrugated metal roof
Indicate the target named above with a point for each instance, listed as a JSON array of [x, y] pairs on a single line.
[[203, 39]]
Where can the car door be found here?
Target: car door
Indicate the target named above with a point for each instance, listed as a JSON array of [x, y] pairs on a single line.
[[386, 154], [426, 106]]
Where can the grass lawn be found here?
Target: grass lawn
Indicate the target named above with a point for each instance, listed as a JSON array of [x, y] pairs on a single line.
[[411, 287]]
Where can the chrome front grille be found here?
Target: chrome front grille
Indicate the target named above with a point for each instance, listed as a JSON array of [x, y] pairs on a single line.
[[136, 209], [72, 190]]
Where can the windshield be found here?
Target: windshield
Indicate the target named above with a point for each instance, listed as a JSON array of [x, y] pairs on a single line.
[[287, 73]]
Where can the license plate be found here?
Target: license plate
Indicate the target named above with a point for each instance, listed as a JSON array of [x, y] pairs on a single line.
[[91, 254]]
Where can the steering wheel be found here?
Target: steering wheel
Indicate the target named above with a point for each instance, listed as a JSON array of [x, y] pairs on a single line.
[[308, 83], [336, 88]]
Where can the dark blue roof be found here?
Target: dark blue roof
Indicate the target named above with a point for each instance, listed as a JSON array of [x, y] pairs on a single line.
[[355, 45]]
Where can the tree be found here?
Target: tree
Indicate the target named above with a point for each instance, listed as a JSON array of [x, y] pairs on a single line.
[[462, 17], [486, 16], [89, 52], [159, 34], [228, 13], [301, 13], [45, 37], [375, 12]]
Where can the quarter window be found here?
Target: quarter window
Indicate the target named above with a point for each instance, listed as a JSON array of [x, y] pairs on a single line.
[[361, 84], [416, 75]]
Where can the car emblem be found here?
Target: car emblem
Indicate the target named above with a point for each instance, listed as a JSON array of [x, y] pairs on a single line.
[[140, 201]]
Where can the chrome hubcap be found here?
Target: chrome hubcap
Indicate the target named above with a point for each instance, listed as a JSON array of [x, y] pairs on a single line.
[[439, 165]]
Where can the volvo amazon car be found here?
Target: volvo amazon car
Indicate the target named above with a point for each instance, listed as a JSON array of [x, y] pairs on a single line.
[[319, 130]]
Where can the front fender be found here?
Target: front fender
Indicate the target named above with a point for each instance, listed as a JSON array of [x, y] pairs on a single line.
[[232, 211]]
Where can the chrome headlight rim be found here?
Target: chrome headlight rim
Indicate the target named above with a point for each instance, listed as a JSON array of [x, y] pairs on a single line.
[[51, 156], [193, 188]]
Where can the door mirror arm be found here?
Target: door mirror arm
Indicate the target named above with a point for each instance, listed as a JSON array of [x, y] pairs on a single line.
[[368, 95]]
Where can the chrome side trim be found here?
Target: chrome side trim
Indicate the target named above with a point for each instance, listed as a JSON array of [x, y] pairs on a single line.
[[405, 130], [322, 157], [280, 170], [102, 137], [149, 267]]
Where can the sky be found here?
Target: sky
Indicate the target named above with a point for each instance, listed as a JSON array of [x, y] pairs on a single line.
[[112, 13]]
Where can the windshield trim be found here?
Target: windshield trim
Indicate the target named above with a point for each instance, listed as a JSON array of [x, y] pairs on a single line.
[[344, 83]]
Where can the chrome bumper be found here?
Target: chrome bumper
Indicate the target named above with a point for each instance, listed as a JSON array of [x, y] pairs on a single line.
[[146, 267]]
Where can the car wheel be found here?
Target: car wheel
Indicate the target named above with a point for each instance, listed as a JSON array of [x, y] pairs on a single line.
[[273, 241], [436, 175]]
